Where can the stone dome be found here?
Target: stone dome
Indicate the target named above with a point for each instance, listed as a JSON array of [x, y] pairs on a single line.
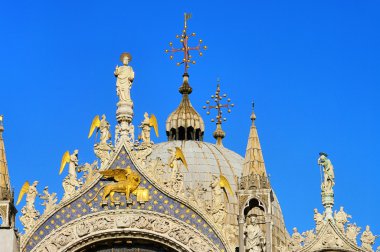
[[207, 159], [204, 160]]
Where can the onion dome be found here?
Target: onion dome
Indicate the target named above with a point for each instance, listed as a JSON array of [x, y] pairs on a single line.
[[185, 123]]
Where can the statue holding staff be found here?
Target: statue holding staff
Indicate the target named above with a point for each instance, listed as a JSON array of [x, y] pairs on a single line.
[[125, 77], [328, 173]]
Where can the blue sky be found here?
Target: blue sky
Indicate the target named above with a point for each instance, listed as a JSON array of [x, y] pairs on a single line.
[[312, 68]]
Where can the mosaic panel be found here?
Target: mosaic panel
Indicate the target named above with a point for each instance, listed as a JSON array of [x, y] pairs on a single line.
[[158, 202]]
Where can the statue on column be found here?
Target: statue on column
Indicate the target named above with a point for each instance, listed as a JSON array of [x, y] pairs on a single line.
[[125, 77], [50, 199], [341, 218], [29, 212], [368, 239], [318, 218], [70, 182], [328, 173], [124, 112], [254, 237]]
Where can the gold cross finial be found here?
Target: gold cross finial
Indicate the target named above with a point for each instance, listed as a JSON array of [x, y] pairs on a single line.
[[218, 98], [184, 39]]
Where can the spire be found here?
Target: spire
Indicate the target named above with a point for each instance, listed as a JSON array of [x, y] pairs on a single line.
[[185, 123], [254, 172], [5, 187]]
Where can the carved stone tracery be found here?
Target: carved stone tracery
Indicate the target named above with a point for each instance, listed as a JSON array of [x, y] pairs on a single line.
[[86, 230]]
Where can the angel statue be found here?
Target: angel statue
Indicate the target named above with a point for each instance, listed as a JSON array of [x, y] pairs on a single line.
[[328, 171], [103, 148], [125, 76], [50, 199], [70, 182], [145, 126], [219, 186], [103, 126], [29, 212], [254, 237], [176, 179]]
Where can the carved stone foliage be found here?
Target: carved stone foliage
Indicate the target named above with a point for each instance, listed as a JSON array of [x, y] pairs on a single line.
[[82, 230], [90, 172], [331, 240], [49, 200], [155, 169], [103, 152]]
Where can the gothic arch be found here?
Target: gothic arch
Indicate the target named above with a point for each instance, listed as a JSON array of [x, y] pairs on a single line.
[[252, 202]]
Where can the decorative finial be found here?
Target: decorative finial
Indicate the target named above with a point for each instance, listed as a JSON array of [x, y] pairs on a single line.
[[184, 39], [218, 134], [253, 116], [1, 123]]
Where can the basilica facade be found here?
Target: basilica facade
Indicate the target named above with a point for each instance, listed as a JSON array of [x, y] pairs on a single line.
[[180, 195]]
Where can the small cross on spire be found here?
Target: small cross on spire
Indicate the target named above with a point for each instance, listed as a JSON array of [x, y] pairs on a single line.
[[219, 134]]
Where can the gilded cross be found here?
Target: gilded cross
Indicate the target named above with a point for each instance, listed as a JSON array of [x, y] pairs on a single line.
[[184, 39]]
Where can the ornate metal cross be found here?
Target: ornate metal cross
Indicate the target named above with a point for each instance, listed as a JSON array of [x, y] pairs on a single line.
[[184, 39], [217, 97]]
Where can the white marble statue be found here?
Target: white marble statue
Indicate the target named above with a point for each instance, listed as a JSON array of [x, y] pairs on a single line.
[[309, 236], [328, 173], [71, 183], [254, 237], [31, 196], [73, 164], [49, 200], [368, 239], [352, 232], [125, 76], [341, 218], [29, 213], [104, 128], [296, 240], [145, 126], [318, 218]]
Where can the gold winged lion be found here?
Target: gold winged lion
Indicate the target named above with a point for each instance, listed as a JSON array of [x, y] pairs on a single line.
[[127, 181]]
